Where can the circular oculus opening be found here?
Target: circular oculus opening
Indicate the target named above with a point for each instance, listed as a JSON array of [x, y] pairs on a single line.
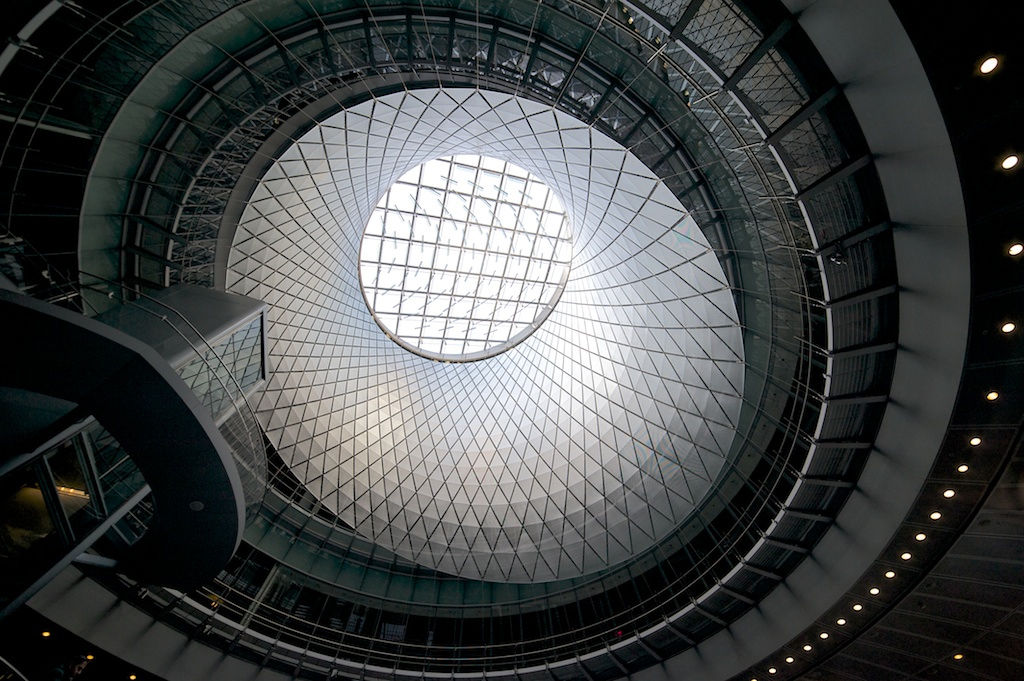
[[464, 257]]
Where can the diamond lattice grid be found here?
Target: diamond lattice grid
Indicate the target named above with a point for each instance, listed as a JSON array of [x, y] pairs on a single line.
[[581, 446]]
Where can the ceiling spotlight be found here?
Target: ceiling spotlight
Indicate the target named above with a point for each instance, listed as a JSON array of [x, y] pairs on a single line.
[[857, 607], [1007, 327], [823, 635], [789, 660], [889, 574], [808, 648], [90, 657], [905, 556], [131, 677], [989, 65], [1015, 249], [1009, 161], [992, 396], [962, 468], [772, 670], [920, 536], [949, 494], [46, 634], [975, 441], [841, 622], [958, 656], [935, 515], [873, 591]]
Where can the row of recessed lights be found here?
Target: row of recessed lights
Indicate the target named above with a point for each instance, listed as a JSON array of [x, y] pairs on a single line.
[[888, 574], [988, 67]]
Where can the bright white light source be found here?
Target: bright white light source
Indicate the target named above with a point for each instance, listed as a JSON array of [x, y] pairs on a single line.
[[989, 65], [1015, 249], [464, 257], [1009, 161]]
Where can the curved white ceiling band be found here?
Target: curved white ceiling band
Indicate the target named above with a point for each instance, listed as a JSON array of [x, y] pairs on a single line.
[[571, 452]]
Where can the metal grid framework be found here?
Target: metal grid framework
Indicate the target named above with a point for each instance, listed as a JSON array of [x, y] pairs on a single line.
[[549, 461], [464, 256], [715, 132]]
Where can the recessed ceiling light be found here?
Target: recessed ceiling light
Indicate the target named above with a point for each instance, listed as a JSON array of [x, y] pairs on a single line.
[[132, 677], [823, 635], [873, 591], [889, 574], [949, 494], [905, 556], [1007, 327], [935, 515], [808, 648], [989, 65], [1009, 161], [1015, 249], [920, 536], [858, 607], [975, 441], [789, 660], [90, 657], [992, 396], [46, 634], [772, 670], [962, 468], [958, 656], [841, 622]]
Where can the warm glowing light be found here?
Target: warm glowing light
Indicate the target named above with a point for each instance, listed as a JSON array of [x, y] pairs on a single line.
[[1015, 249], [873, 591], [949, 494], [905, 556], [807, 647], [989, 65], [131, 677], [889, 574], [857, 607], [1008, 327], [823, 635], [841, 622], [90, 657], [958, 656], [46, 634], [935, 515], [992, 396], [962, 468], [1009, 161], [975, 441], [772, 670], [789, 660], [920, 536]]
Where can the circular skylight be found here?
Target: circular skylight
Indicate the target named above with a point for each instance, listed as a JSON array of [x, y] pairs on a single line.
[[464, 257]]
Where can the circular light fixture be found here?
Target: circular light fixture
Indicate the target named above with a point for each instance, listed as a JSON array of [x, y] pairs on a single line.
[[823, 635], [989, 65], [920, 536], [873, 591], [772, 670], [905, 556], [962, 468], [935, 515], [889, 574], [1008, 327], [808, 647], [90, 657], [958, 656], [992, 396], [857, 607], [789, 660], [1015, 249], [1009, 161], [46, 634], [975, 441], [949, 493], [131, 677], [841, 622], [464, 257]]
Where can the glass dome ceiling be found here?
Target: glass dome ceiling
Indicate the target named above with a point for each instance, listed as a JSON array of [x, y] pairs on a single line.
[[464, 257]]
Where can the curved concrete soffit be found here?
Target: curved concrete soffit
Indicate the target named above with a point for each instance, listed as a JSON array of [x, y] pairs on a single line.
[[184, 458]]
